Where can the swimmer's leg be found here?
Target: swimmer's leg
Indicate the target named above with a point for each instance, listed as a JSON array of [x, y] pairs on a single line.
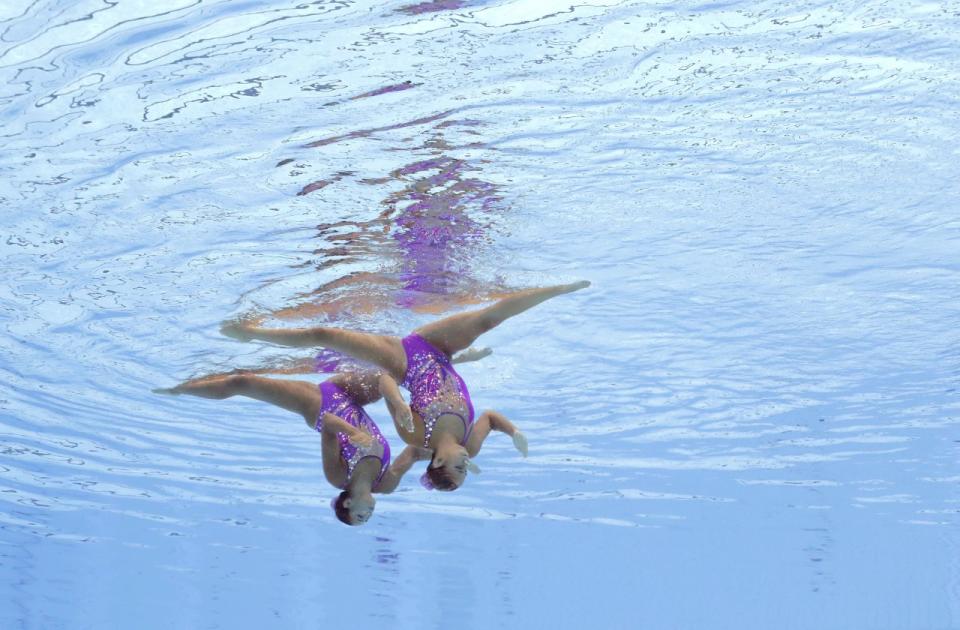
[[458, 332], [297, 396], [382, 350], [472, 354], [290, 366]]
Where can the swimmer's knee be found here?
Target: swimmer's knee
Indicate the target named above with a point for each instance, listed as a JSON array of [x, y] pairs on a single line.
[[241, 383], [487, 321]]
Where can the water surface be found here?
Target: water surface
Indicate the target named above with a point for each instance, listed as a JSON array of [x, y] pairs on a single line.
[[749, 421]]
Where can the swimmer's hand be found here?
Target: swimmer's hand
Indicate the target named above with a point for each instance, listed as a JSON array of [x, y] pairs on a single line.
[[361, 439], [520, 442], [398, 407], [499, 422], [405, 417], [472, 354]]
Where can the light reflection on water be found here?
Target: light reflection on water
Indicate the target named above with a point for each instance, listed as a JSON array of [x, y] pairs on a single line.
[[748, 421]]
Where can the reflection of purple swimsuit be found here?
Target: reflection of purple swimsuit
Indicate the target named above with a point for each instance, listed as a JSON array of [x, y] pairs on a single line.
[[433, 386], [436, 228], [336, 401]]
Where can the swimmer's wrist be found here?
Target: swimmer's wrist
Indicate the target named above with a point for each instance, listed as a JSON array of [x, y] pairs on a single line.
[[499, 422]]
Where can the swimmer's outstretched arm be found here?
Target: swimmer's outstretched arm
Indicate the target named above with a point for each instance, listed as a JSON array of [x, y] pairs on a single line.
[[297, 396], [401, 464], [494, 421]]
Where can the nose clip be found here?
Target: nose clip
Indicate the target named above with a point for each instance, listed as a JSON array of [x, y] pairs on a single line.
[[472, 467]]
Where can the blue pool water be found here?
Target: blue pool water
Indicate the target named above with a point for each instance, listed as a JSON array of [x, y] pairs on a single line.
[[750, 420]]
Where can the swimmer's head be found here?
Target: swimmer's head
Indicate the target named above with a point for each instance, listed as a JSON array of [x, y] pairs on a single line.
[[353, 509], [447, 470]]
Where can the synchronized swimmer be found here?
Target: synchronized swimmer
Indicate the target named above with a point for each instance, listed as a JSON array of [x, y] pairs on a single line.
[[438, 424]]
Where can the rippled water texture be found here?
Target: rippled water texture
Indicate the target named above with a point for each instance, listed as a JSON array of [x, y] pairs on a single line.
[[749, 421]]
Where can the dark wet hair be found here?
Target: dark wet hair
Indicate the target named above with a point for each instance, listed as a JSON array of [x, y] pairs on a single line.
[[440, 478], [342, 511]]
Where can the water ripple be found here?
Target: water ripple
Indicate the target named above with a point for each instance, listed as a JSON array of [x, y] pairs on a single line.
[[763, 196]]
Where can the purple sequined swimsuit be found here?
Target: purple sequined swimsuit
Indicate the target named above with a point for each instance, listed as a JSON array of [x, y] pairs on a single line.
[[434, 386], [335, 401]]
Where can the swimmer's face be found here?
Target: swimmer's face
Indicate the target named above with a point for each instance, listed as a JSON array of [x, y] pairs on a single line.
[[457, 469], [361, 508], [454, 466]]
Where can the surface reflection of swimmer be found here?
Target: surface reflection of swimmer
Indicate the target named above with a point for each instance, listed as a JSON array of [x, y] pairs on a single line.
[[422, 239], [440, 415]]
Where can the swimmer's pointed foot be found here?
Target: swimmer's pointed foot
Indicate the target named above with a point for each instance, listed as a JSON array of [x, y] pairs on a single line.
[[215, 386], [167, 391], [240, 329], [520, 442], [472, 354], [576, 286]]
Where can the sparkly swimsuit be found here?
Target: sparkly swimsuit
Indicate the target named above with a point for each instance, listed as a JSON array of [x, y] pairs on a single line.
[[434, 386], [335, 401]]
